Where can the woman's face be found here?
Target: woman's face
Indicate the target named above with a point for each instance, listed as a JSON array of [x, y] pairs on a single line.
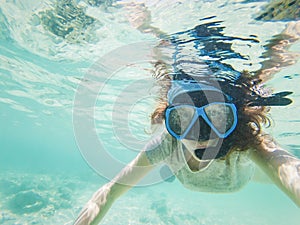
[[200, 120]]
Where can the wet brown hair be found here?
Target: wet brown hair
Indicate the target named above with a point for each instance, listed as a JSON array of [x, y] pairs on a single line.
[[250, 118]]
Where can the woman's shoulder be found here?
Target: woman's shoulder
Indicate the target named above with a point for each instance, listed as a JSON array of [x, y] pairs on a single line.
[[160, 147], [267, 143]]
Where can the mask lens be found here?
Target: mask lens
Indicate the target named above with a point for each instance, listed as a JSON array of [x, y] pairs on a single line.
[[220, 116], [180, 118]]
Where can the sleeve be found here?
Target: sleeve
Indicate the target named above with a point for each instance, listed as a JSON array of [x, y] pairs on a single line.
[[159, 148]]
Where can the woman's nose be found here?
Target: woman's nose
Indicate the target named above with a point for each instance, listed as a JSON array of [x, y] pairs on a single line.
[[200, 131]]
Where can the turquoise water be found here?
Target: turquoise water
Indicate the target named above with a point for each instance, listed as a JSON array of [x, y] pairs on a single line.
[[49, 49]]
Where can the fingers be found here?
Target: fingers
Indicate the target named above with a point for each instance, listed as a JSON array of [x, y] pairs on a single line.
[[88, 214]]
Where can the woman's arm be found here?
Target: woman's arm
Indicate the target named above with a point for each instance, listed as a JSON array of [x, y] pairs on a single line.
[[278, 55], [282, 167], [103, 198]]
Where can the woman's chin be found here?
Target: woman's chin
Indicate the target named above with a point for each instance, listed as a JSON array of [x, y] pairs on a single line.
[[193, 145]]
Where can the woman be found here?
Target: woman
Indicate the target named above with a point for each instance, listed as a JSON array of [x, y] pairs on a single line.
[[212, 115]]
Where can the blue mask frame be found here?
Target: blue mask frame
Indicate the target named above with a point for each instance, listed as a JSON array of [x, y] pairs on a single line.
[[199, 111]]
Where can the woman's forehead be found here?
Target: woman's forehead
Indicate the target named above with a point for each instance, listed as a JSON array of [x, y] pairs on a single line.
[[199, 98]]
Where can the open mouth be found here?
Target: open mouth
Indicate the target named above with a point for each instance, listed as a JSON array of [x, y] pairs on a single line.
[[199, 152], [205, 162], [207, 153]]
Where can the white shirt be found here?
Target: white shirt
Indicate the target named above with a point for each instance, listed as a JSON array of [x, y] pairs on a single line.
[[222, 175]]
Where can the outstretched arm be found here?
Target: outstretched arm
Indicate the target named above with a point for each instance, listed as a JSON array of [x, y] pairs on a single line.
[[278, 55], [103, 198], [282, 167]]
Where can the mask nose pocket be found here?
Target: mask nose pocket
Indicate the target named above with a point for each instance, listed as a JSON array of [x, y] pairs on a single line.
[[200, 131]]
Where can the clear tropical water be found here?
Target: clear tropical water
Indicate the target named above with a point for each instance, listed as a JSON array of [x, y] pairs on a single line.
[[49, 48]]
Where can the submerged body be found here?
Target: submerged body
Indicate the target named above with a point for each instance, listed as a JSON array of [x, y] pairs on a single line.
[[219, 175], [236, 151]]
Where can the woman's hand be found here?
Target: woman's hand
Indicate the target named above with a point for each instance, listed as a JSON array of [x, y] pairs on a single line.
[[139, 17], [99, 204], [93, 211]]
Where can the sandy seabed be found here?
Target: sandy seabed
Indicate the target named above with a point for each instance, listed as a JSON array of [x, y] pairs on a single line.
[[41, 198]]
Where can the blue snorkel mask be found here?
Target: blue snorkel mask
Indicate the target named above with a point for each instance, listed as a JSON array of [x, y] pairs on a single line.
[[199, 111]]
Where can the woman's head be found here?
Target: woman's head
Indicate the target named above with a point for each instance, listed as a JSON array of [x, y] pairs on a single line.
[[231, 96]]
